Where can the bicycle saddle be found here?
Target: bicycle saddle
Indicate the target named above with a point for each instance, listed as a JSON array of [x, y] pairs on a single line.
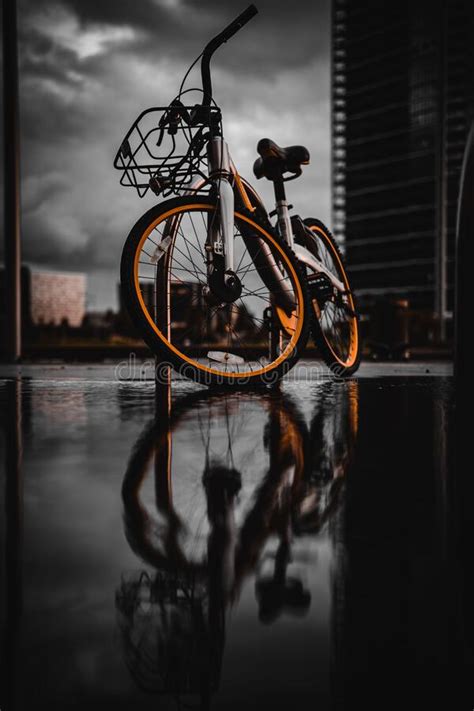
[[275, 161]]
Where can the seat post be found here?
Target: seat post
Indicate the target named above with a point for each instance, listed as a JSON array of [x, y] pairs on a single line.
[[284, 222], [279, 187]]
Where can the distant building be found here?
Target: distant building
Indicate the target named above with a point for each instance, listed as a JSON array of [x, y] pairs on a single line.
[[57, 297], [186, 300], [402, 103], [49, 298], [189, 315]]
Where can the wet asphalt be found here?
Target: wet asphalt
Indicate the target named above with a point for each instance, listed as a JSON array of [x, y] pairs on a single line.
[[180, 547]]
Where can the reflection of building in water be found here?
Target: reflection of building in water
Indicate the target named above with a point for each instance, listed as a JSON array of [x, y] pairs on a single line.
[[392, 616], [59, 407], [402, 103]]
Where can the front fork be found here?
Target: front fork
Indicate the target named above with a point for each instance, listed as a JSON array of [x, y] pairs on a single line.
[[220, 238]]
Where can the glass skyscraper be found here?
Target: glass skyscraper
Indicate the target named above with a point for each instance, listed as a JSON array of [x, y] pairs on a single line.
[[402, 105]]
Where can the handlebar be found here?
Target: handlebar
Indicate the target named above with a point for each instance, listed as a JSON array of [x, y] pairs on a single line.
[[215, 43], [236, 25]]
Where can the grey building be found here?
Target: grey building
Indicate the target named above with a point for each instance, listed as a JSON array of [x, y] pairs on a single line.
[[402, 103], [48, 299]]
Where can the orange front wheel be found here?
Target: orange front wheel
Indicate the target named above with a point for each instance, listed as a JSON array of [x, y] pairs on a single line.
[[182, 311]]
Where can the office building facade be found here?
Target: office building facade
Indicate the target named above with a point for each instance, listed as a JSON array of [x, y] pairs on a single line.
[[402, 104]]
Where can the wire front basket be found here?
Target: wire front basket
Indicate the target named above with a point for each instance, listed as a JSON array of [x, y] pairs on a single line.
[[165, 149]]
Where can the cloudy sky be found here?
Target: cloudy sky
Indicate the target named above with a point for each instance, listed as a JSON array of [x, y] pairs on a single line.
[[88, 67]]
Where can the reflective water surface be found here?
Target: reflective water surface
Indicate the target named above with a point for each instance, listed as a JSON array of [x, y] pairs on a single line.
[[189, 549]]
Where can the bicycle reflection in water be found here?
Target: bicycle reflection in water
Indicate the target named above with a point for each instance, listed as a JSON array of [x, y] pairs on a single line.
[[246, 471]]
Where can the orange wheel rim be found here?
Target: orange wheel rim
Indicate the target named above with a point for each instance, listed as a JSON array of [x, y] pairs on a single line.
[[353, 324]]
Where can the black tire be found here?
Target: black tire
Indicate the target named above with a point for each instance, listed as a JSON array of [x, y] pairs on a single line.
[[341, 364], [158, 343]]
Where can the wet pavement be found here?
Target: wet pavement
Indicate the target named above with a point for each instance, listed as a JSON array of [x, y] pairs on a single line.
[[189, 549]]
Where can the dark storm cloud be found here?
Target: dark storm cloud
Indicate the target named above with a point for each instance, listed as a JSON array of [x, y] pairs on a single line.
[[88, 68], [138, 13], [118, 12], [284, 33]]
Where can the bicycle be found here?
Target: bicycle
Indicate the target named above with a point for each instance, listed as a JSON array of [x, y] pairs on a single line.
[[214, 287]]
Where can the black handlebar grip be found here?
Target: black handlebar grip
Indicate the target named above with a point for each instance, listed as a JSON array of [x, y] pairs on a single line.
[[238, 23]]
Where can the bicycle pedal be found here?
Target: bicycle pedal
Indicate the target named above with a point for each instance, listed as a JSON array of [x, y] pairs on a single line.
[[320, 287]]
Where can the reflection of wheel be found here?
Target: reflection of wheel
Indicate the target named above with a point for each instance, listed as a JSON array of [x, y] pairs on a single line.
[[194, 454], [205, 322], [335, 324]]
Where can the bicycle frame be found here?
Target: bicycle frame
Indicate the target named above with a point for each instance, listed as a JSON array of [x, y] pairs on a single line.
[[232, 189]]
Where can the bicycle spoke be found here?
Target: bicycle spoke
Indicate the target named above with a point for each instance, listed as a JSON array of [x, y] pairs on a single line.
[[197, 240]]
